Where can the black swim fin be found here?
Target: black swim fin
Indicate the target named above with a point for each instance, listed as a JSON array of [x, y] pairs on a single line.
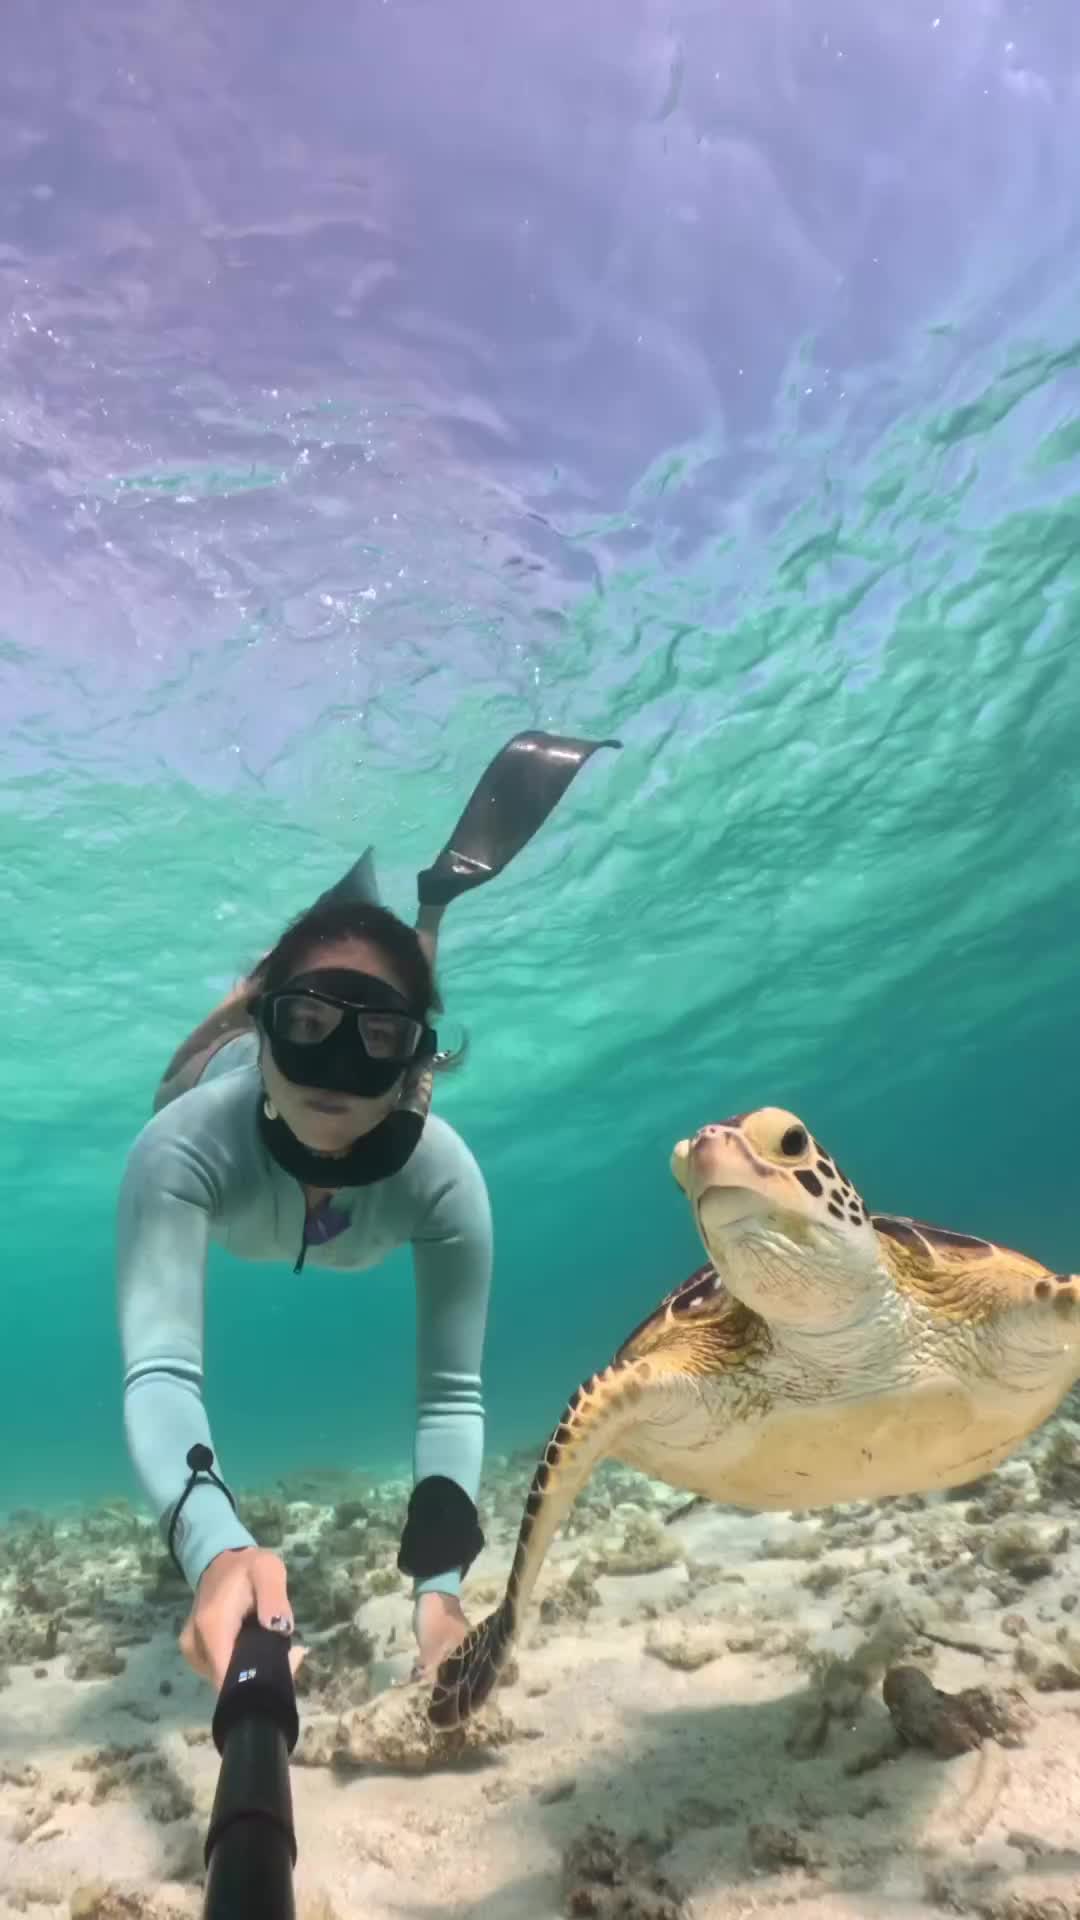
[[359, 884], [513, 797]]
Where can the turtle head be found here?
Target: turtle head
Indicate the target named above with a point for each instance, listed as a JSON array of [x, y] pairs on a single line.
[[781, 1223]]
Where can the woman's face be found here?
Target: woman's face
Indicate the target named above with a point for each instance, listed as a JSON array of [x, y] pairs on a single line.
[[330, 1122]]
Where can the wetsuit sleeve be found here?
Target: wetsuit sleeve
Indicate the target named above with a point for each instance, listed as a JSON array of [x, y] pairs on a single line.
[[163, 1230], [453, 1256]]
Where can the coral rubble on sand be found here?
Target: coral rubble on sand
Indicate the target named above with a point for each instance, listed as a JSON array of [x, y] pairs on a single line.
[[706, 1712]]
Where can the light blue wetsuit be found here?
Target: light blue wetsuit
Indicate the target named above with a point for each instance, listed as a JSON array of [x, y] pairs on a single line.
[[198, 1172]]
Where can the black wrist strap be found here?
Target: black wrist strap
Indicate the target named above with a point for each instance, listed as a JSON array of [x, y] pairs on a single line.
[[442, 1530], [201, 1462]]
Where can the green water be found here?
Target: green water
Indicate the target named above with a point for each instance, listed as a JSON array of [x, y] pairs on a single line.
[[834, 868]]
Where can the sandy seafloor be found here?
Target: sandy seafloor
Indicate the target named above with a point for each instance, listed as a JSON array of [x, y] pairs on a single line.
[[696, 1725]]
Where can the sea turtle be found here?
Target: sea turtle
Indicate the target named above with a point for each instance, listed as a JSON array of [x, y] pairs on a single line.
[[824, 1354]]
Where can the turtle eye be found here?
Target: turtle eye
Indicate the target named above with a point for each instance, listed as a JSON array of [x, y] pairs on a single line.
[[795, 1142]]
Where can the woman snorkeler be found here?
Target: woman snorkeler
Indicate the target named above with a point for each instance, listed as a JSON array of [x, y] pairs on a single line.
[[293, 1125]]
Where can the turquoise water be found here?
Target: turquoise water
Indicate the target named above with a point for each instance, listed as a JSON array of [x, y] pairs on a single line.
[[834, 867], [706, 377]]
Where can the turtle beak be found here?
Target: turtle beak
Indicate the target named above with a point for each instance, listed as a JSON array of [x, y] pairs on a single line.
[[719, 1208], [713, 1175], [680, 1164], [708, 1160]]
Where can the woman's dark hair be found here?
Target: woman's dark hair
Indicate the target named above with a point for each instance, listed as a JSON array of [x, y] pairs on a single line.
[[298, 949]]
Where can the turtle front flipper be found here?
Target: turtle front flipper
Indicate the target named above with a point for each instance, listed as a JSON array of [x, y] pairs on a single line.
[[593, 1420]]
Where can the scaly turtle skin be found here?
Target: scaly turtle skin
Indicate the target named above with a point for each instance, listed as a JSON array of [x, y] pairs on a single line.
[[825, 1354]]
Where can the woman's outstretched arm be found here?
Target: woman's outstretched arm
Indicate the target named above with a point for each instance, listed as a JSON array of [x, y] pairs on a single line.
[[452, 1251], [163, 1232]]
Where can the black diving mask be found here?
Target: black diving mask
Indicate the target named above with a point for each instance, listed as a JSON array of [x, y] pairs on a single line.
[[343, 1031]]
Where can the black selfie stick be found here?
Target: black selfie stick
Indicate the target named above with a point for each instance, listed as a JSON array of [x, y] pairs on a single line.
[[251, 1841]]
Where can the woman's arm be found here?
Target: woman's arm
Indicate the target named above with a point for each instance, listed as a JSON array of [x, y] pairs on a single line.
[[453, 1259], [163, 1231]]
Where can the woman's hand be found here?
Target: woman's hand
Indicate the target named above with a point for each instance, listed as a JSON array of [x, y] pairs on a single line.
[[237, 1583], [440, 1627]]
